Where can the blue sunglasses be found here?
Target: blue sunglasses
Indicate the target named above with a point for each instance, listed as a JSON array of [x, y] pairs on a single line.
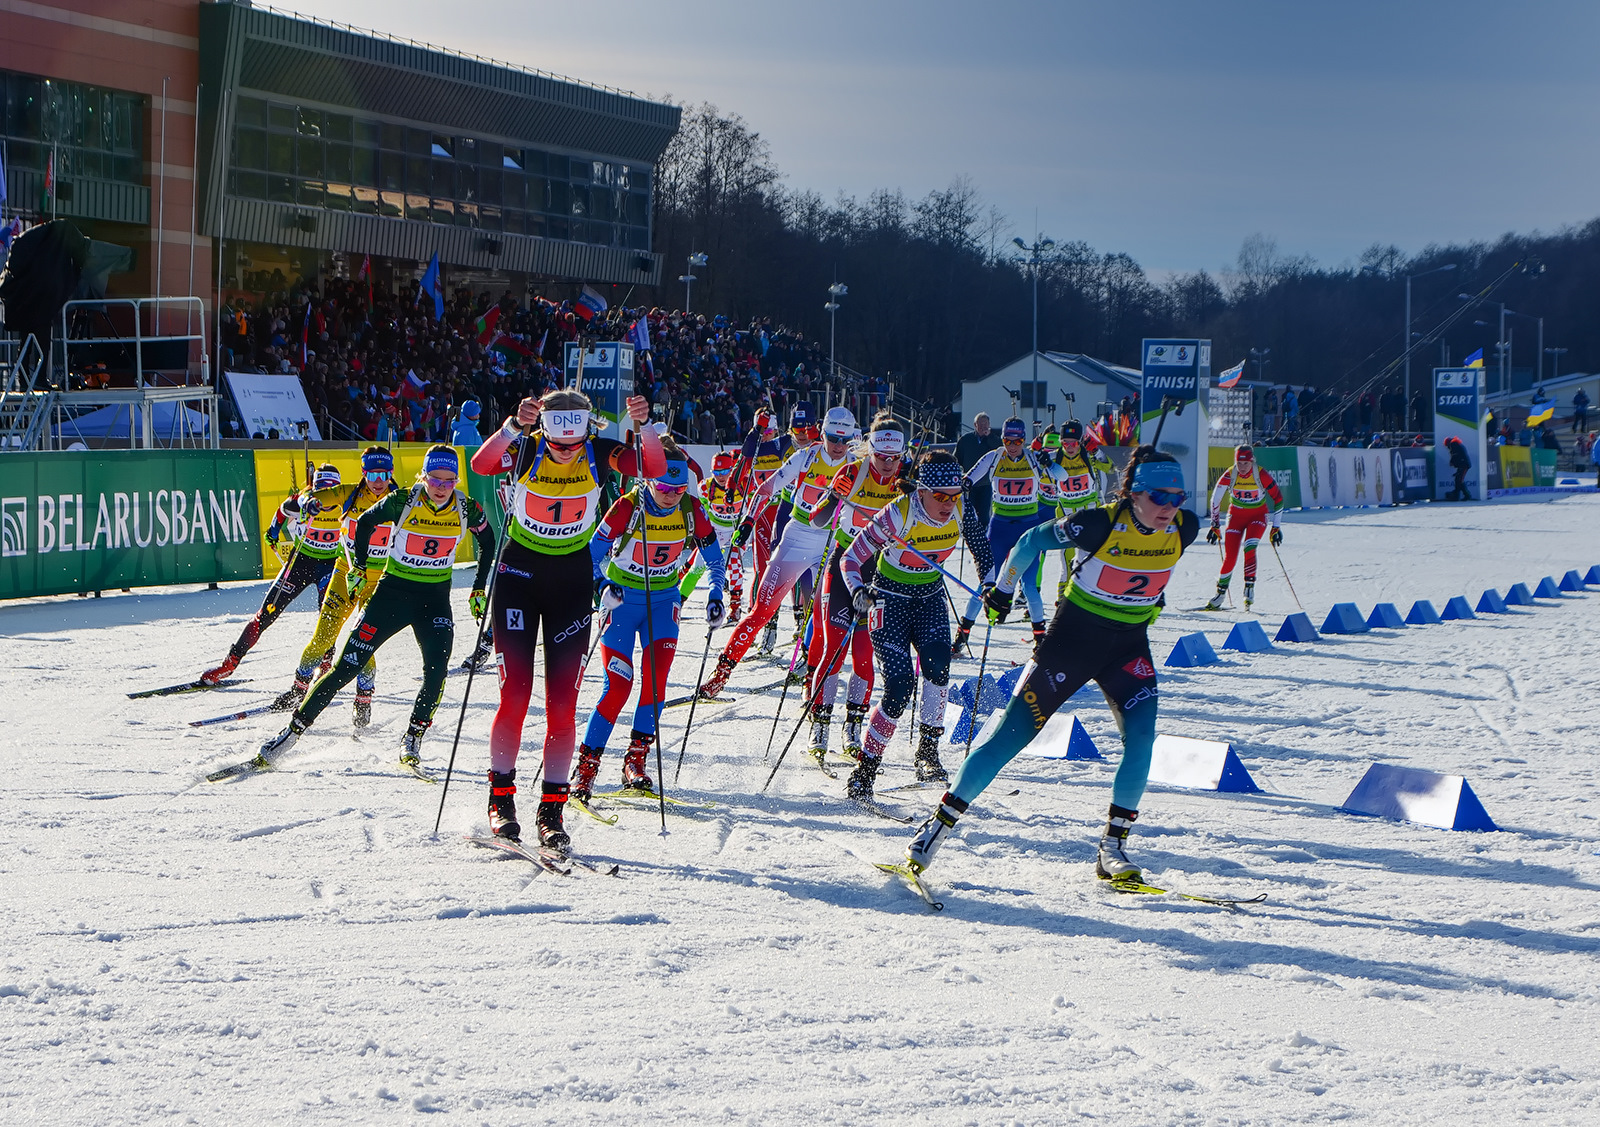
[[1168, 496]]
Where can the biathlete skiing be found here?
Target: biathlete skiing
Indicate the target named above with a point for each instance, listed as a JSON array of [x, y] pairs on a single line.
[[891, 569], [377, 482], [317, 512], [802, 544], [641, 539], [1253, 499], [762, 455], [1099, 634], [546, 578], [721, 503], [430, 521], [1078, 486], [1019, 478]]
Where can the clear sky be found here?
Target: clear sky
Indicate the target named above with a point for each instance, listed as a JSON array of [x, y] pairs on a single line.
[[1169, 129]]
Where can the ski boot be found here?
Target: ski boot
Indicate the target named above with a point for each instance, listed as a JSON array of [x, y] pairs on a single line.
[[363, 710], [583, 774], [855, 716], [221, 672], [1112, 863], [1249, 594], [552, 835], [1038, 632], [503, 805], [919, 854], [858, 788], [275, 748], [479, 657], [719, 678], [634, 762], [929, 769], [411, 744], [1218, 599], [769, 638], [820, 719], [963, 632], [289, 699]]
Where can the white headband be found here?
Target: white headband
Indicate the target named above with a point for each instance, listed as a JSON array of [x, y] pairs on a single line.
[[565, 424], [887, 442]]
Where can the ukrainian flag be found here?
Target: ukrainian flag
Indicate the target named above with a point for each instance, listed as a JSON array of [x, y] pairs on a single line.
[[1543, 416], [1475, 360]]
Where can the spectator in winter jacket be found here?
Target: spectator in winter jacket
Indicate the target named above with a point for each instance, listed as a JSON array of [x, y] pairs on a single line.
[[1580, 411], [465, 430], [1460, 462]]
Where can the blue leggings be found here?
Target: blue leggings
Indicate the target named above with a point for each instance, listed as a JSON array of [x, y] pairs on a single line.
[[627, 622], [1080, 647], [1004, 532]]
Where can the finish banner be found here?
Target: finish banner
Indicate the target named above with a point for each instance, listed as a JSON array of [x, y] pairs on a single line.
[[97, 520]]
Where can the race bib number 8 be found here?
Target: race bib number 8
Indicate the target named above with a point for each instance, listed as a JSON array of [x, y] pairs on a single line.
[[428, 548]]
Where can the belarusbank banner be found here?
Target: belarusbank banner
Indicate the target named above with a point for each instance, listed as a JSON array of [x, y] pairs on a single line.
[[97, 520], [1458, 412]]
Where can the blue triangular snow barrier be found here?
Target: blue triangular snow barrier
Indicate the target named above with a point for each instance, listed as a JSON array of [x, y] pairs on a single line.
[[1248, 637], [1422, 614], [1406, 794], [1080, 745], [1519, 596], [1297, 628], [1178, 761], [1592, 575], [1457, 608], [1077, 745], [1547, 589], [1192, 650], [1008, 680], [1386, 616], [1572, 581], [1490, 602], [1344, 618]]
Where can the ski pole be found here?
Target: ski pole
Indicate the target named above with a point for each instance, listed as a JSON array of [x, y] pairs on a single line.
[[908, 546], [977, 689], [1285, 571], [829, 668], [600, 629], [650, 637], [693, 700], [827, 554], [466, 692]]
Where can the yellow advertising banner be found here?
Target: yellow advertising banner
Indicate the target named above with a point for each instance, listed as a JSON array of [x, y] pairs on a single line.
[[1516, 467]]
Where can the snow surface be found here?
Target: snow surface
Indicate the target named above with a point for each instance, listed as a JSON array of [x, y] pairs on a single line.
[[300, 947]]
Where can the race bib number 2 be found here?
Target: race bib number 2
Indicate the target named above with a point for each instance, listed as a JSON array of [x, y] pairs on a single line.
[[1132, 584]]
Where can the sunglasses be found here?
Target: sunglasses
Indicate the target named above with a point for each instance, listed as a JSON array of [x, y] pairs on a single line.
[[441, 482], [1168, 498], [944, 495], [377, 475], [662, 487]]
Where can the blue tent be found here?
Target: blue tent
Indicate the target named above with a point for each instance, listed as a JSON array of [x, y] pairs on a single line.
[[113, 421]]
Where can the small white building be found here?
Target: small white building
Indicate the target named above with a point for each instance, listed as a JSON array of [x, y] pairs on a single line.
[[1041, 400]]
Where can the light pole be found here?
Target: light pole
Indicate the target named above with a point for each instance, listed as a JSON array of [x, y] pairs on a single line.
[[1407, 334], [689, 280], [1538, 376], [1502, 346], [1557, 353], [835, 292], [1034, 261]]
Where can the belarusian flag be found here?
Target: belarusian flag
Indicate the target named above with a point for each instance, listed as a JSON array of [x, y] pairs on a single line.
[[486, 325], [47, 197]]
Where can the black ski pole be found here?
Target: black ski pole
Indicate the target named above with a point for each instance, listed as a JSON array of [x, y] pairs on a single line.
[[827, 554], [829, 668], [650, 638], [694, 700], [1166, 405]]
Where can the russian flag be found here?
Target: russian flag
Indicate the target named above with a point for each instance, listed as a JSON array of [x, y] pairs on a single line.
[[589, 303], [1230, 378], [639, 335], [411, 387]]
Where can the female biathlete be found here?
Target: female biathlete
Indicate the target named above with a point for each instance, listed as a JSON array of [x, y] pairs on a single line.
[[642, 538], [377, 482], [317, 511], [1077, 485], [722, 505], [904, 606], [430, 521], [1099, 634], [861, 487], [800, 548], [546, 578], [1253, 497], [761, 455], [1020, 478]]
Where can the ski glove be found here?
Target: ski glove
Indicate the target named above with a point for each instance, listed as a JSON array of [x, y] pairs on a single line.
[[355, 580], [1215, 534], [716, 612], [998, 602], [479, 602], [1277, 537], [864, 600], [610, 597], [742, 535]]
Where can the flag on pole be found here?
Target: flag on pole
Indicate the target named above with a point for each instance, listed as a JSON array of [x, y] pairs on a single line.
[[47, 197], [305, 336], [589, 303], [412, 387], [9, 231], [1543, 416], [1475, 360], [2, 173], [486, 326], [639, 335], [430, 286], [1230, 378]]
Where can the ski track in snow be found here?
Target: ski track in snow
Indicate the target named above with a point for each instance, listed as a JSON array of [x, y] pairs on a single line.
[[298, 946]]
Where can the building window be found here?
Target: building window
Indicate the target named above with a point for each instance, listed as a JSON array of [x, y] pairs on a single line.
[[94, 132]]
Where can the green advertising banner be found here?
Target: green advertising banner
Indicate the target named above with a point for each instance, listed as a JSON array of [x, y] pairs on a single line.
[[1283, 463], [1544, 466], [96, 520]]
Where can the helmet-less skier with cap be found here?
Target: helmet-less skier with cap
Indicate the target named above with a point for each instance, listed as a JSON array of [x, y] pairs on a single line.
[[1253, 499], [546, 577], [430, 521], [808, 473], [1099, 634], [317, 510]]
